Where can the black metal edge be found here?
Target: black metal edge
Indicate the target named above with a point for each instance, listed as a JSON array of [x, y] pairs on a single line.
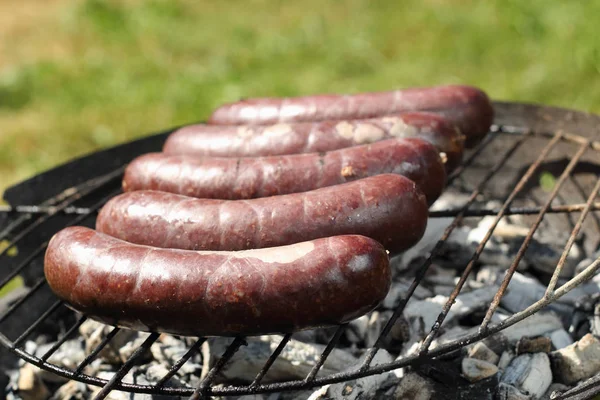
[[37, 189]]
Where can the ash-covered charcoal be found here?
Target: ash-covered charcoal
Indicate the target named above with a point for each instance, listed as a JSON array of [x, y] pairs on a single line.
[[524, 290], [377, 321], [356, 330], [94, 332], [530, 373], [543, 255], [509, 392], [576, 362], [537, 324], [415, 387], [370, 387], [554, 390], [465, 303], [586, 262], [586, 317], [560, 339], [69, 355], [398, 291], [539, 344], [505, 359], [476, 370], [168, 349], [295, 361], [27, 384], [72, 390], [155, 371], [480, 351]]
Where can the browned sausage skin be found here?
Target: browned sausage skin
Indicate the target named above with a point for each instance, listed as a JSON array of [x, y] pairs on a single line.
[[388, 208], [467, 107], [315, 137], [252, 177], [322, 282]]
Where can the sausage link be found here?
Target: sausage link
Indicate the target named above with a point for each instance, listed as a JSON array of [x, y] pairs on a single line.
[[315, 137], [388, 208], [252, 177], [467, 107], [278, 290]]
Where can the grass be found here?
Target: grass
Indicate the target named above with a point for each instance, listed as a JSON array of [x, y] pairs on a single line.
[[76, 76]]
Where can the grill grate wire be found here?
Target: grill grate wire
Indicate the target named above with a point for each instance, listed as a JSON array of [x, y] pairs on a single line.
[[31, 217]]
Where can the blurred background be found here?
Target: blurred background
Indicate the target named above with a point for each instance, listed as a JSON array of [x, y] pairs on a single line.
[[76, 76]]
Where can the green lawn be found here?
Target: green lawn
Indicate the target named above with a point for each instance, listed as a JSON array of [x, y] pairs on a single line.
[[76, 76]]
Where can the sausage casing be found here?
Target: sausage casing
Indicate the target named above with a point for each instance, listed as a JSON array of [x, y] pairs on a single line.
[[467, 107], [315, 137], [322, 282], [252, 177], [388, 208]]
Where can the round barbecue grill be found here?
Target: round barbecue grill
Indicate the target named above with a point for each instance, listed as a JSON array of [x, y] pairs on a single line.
[[498, 179]]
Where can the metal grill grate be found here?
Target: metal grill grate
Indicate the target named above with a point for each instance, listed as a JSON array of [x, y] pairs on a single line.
[[504, 167]]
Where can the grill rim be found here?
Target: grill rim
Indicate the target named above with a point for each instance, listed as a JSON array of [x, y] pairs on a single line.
[[503, 112]]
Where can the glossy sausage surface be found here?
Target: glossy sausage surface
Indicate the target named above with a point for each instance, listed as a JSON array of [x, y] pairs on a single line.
[[315, 137], [321, 282], [252, 177], [388, 208], [467, 107]]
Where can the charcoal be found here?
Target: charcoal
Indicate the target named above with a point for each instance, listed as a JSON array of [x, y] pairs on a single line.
[[530, 373], [30, 385], [554, 390], [69, 355], [369, 387], [295, 361], [400, 289], [464, 304], [509, 392], [357, 329], [535, 325], [505, 359], [414, 387], [560, 339], [475, 370], [127, 350], [94, 332], [480, 351], [72, 390], [523, 291], [375, 325], [484, 389], [581, 360], [539, 344]]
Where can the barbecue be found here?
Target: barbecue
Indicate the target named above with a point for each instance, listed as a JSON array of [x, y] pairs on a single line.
[[499, 300]]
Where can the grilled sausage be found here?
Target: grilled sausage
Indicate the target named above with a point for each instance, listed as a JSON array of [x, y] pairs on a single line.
[[388, 208], [467, 107], [251, 177], [310, 284], [315, 137]]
